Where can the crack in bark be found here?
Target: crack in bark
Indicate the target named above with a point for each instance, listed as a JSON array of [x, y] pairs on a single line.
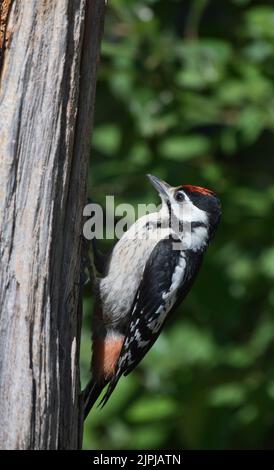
[[5, 8]]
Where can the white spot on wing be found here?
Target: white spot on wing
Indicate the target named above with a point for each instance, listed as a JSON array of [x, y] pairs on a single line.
[[169, 297], [156, 324], [138, 338], [178, 274]]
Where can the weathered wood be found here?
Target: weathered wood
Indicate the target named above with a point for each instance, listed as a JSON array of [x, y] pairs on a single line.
[[47, 94], [5, 6]]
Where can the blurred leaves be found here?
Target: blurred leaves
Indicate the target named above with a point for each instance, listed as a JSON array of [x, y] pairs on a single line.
[[186, 91], [204, 63], [183, 148], [106, 139], [151, 409], [260, 22]]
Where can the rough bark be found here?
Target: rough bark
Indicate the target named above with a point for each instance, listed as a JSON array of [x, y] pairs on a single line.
[[47, 91]]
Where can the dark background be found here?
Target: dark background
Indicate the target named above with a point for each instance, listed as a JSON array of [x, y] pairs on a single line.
[[186, 92]]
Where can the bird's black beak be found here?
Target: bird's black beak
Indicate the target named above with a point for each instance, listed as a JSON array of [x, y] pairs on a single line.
[[161, 186]]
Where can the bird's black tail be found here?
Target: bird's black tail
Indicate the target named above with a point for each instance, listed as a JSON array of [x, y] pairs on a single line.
[[110, 389], [93, 390], [90, 395]]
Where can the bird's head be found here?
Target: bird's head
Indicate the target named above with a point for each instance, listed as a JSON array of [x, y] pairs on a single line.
[[199, 207]]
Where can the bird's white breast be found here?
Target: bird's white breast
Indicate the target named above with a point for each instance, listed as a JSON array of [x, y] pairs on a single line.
[[128, 260]]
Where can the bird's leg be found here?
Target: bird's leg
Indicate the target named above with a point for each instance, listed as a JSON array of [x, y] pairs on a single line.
[[92, 261]]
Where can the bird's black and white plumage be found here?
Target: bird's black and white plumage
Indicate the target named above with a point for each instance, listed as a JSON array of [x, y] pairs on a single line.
[[150, 271]]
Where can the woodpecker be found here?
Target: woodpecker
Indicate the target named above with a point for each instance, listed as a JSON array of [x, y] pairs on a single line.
[[148, 274]]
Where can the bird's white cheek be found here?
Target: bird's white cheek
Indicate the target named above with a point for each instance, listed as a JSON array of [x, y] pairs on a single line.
[[187, 212], [199, 238]]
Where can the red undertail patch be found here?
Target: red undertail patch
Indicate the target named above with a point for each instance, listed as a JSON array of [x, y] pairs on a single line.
[[106, 353]]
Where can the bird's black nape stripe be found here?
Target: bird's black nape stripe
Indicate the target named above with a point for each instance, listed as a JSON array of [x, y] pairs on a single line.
[[198, 224], [193, 225]]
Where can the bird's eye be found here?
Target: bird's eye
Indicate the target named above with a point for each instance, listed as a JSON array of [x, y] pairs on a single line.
[[179, 197]]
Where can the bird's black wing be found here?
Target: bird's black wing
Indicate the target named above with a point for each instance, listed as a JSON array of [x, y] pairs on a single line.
[[166, 280]]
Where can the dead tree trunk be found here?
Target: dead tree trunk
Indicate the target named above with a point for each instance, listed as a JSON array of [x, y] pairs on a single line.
[[47, 88]]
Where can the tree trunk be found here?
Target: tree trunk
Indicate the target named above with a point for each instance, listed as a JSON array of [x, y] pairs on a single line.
[[47, 89]]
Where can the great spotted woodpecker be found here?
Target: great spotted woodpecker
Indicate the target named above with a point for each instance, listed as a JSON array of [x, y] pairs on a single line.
[[149, 273]]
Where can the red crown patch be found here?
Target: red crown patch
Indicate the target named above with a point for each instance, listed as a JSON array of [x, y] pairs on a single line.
[[198, 189]]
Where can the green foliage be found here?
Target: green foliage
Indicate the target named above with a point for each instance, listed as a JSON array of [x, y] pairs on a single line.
[[186, 91]]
